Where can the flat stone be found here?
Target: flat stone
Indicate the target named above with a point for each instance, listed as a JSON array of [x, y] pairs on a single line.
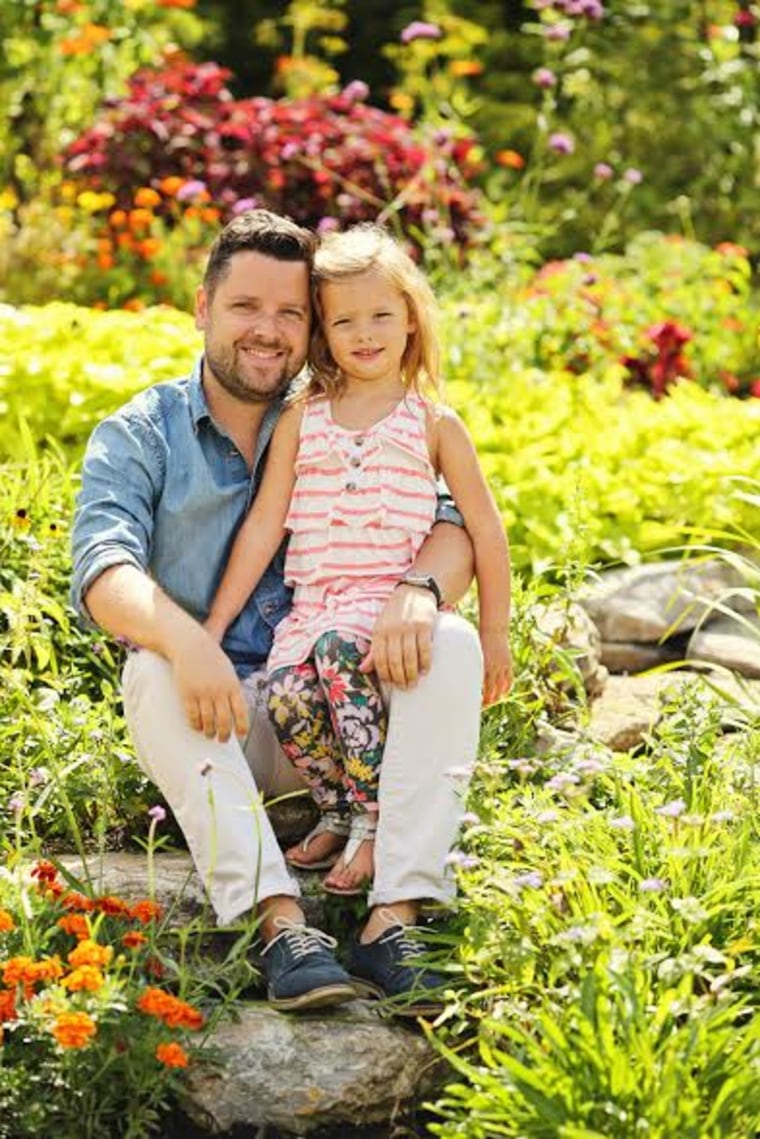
[[648, 603], [301, 1073], [732, 643], [633, 657]]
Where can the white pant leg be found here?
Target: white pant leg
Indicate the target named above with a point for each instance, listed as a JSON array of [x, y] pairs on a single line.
[[220, 811], [433, 731]]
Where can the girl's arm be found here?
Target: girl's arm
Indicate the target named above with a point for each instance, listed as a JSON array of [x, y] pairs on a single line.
[[262, 531], [458, 462]]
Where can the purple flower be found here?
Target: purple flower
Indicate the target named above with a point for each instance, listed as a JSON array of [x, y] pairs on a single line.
[[671, 810], [547, 817], [558, 32], [16, 803], [584, 258], [243, 204], [533, 879], [562, 782], [592, 9], [327, 225], [633, 175], [722, 817], [603, 171], [190, 190], [545, 78], [561, 143], [356, 91], [623, 823], [652, 885], [157, 813], [37, 776], [419, 30], [469, 818], [462, 860]]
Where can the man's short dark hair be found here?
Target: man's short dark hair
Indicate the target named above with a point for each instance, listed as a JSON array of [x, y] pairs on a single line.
[[258, 231]]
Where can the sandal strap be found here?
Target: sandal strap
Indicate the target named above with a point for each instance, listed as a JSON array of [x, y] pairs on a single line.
[[330, 822], [363, 826]]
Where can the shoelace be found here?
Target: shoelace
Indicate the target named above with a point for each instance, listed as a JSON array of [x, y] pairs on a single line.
[[302, 939], [407, 947]]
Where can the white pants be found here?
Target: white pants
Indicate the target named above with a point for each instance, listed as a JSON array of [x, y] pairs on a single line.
[[215, 789]]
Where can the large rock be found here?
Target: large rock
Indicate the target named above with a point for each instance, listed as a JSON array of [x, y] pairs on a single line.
[[568, 626], [339, 1070], [732, 643], [649, 603]]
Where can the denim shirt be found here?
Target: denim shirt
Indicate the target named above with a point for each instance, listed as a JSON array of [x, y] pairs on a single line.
[[165, 489]]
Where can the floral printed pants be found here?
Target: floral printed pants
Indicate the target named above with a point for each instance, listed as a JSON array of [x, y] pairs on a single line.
[[331, 722]]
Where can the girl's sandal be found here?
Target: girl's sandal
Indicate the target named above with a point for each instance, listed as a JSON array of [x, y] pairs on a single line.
[[330, 822], [363, 826]]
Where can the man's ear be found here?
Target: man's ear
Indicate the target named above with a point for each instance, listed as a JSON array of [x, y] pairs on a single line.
[[201, 308]]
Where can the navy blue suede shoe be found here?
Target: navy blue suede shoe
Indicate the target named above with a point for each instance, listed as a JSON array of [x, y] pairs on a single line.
[[390, 968], [302, 971]]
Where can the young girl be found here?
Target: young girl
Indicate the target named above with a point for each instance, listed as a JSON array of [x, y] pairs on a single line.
[[351, 475]]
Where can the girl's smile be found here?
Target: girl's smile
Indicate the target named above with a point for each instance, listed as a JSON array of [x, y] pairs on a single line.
[[367, 325]]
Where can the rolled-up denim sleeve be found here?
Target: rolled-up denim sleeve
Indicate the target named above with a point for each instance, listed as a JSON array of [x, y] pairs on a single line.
[[446, 509], [114, 515]]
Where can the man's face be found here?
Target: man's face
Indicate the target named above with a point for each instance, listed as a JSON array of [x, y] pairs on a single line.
[[256, 326]]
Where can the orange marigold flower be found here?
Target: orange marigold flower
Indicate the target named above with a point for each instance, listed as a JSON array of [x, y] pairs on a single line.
[[6, 922], [171, 184], [730, 249], [85, 978], [465, 68], [157, 278], [96, 33], [134, 939], [139, 219], [134, 304], [75, 924], [48, 969], [104, 261], [175, 3], [45, 871], [148, 247], [145, 911], [118, 218], [71, 900], [173, 1055], [16, 971], [7, 1006], [88, 952], [147, 197], [512, 159], [171, 1010], [110, 904], [73, 1029]]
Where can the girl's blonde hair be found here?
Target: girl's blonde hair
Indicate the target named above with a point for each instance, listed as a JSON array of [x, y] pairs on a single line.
[[341, 256]]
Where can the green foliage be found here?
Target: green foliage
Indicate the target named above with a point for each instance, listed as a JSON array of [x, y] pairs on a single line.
[[610, 937]]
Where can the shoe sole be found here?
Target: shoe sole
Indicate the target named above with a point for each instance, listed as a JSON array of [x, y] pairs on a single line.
[[325, 997], [367, 990]]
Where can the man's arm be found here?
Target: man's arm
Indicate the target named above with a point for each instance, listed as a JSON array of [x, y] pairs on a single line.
[[125, 602], [122, 476], [403, 635]]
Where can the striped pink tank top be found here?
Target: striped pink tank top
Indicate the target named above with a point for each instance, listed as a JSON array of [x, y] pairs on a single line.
[[363, 503]]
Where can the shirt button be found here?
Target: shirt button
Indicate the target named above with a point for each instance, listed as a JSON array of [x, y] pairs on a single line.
[[350, 486], [268, 608], [356, 461], [358, 440]]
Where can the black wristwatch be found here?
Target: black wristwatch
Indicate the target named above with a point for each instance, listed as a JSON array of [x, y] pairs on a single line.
[[422, 581]]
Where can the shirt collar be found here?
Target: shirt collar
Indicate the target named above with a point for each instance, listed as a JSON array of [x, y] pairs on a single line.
[[199, 409]]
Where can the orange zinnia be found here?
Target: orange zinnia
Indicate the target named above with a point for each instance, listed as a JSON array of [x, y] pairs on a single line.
[[512, 159], [140, 219], [171, 1010], [173, 1055], [88, 952], [7, 1007], [147, 197], [171, 184], [134, 939], [75, 924], [73, 1029], [85, 978], [74, 901], [109, 903], [145, 911], [6, 922]]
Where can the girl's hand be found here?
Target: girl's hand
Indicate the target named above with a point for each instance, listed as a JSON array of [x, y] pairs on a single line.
[[215, 628], [497, 666]]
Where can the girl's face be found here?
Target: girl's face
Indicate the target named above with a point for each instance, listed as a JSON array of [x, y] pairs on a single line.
[[367, 325]]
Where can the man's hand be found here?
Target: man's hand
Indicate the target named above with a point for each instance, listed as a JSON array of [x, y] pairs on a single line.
[[208, 687], [402, 640], [497, 666]]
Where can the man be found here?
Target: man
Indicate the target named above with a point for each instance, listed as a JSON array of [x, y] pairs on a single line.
[[165, 483]]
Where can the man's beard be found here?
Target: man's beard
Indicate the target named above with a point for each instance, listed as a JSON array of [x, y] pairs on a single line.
[[223, 366]]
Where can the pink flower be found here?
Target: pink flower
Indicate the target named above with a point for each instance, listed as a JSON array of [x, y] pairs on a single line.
[[419, 30], [545, 78], [744, 19], [561, 143], [603, 171], [633, 175], [558, 32], [356, 91]]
